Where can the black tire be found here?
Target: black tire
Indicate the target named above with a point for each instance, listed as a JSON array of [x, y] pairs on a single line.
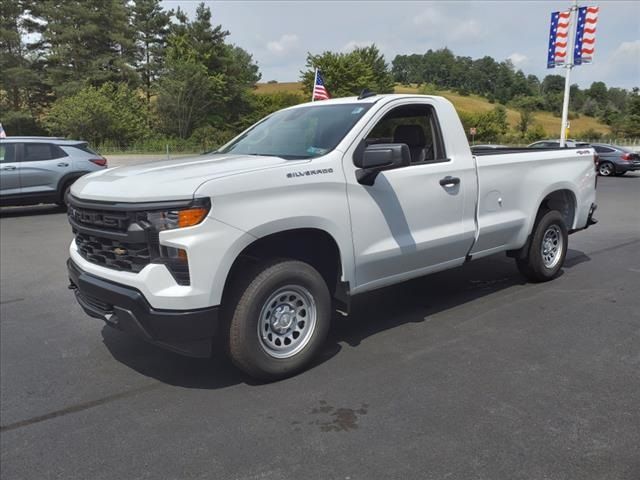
[[254, 353], [62, 199], [536, 266], [606, 169]]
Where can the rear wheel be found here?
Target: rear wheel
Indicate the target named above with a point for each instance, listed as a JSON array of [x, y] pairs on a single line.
[[606, 169], [280, 320], [547, 250]]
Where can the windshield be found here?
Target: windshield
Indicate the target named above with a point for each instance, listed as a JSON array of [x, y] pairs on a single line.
[[303, 132]]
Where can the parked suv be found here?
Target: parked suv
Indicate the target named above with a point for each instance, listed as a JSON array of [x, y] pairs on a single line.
[[42, 169]]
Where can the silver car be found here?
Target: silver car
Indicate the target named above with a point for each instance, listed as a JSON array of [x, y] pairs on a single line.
[[42, 169]]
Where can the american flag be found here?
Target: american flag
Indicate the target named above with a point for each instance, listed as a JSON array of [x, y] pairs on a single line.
[[2, 134], [558, 36], [585, 35], [319, 90]]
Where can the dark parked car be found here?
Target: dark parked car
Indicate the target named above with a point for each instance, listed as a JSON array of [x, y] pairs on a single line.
[[41, 169], [615, 160], [556, 144]]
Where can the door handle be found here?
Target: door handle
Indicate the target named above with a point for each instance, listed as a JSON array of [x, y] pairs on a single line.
[[449, 181], [63, 164], [10, 167]]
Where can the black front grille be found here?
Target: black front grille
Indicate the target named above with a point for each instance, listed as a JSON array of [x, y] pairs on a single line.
[[131, 257], [121, 239]]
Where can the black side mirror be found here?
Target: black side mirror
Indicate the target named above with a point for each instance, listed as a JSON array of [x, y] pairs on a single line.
[[378, 157]]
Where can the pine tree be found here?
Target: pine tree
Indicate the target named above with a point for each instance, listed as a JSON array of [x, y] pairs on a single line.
[[151, 24], [85, 42]]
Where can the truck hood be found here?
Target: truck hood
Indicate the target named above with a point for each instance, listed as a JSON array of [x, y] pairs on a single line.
[[167, 179]]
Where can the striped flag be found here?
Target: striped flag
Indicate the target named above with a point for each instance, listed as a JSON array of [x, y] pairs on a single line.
[[319, 90], [558, 36], [585, 35]]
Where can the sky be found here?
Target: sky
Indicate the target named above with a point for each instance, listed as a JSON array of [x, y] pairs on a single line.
[[279, 34]]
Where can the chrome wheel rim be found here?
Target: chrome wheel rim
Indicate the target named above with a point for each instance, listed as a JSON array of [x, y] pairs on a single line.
[[605, 169], [287, 321], [552, 245]]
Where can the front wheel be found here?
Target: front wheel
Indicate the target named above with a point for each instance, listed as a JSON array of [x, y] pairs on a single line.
[[280, 320], [547, 250]]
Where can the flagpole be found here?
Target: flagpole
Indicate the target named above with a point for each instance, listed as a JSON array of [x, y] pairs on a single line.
[[573, 17], [315, 81]]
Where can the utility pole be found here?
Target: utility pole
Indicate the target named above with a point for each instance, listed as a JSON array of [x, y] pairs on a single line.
[[573, 18]]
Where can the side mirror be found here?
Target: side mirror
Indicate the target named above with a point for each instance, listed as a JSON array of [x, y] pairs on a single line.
[[378, 157]]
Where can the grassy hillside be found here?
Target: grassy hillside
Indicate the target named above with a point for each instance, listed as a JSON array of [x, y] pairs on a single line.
[[471, 104]]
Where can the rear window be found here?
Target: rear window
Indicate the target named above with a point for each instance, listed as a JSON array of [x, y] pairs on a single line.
[[35, 152], [7, 153], [600, 149], [85, 148]]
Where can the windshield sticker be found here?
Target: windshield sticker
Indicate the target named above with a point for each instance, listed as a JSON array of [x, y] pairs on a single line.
[[317, 150], [357, 111]]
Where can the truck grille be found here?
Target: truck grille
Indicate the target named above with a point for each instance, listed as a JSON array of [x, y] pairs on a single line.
[[131, 257], [121, 238]]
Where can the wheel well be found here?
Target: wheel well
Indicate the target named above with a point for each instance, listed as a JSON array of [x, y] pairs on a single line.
[[564, 202], [313, 246], [65, 181]]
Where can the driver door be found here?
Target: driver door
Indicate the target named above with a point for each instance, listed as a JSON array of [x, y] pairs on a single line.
[[408, 223]]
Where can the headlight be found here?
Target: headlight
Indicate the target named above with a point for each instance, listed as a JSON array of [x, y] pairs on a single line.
[[179, 218]]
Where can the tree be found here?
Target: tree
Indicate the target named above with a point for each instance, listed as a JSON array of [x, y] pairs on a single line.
[[84, 42], [348, 74], [151, 25], [22, 91], [206, 80], [631, 125], [526, 119], [110, 112]]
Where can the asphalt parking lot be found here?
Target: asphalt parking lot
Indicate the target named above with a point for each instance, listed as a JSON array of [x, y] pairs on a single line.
[[466, 374]]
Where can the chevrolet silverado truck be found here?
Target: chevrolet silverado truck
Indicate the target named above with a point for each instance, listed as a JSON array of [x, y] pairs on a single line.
[[252, 248]]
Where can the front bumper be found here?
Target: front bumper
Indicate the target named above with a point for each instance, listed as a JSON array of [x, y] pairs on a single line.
[[188, 332]]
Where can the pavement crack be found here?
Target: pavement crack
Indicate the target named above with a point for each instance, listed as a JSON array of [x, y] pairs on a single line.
[[79, 407]]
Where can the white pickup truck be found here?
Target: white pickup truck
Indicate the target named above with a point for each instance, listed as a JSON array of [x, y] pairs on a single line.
[[255, 246]]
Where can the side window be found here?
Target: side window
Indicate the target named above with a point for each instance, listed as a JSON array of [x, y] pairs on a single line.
[[414, 125], [34, 152], [7, 153]]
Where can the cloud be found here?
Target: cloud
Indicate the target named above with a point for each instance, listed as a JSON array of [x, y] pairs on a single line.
[[285, 44], [433, 22], [518, 59], [353, 44], [622, 65]]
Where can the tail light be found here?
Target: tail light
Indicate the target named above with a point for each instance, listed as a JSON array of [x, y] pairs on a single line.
[[99, 161], [627, 157]]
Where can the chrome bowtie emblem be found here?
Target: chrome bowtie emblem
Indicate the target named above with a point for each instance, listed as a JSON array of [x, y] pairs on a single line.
[[119, 251]]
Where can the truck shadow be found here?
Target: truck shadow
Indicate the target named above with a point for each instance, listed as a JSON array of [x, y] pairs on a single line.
[[411, 302], [417, 300]]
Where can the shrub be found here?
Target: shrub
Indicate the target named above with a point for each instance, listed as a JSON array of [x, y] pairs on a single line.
[[110, 113]]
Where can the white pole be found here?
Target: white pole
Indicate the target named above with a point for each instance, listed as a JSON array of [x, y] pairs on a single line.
[[573, 17], [315, 80]]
